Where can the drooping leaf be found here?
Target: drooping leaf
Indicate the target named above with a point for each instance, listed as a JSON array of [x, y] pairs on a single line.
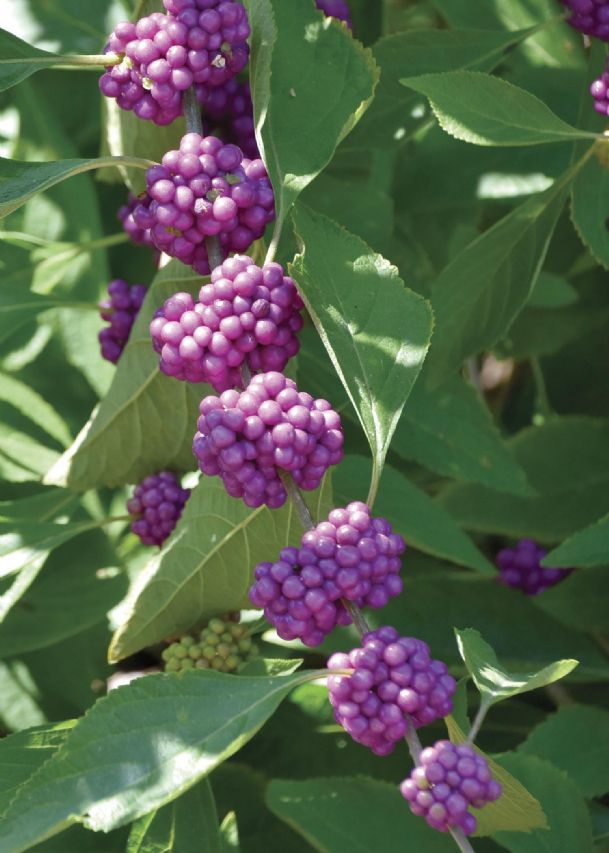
[[587, 547], [20, 60], [30, 404]]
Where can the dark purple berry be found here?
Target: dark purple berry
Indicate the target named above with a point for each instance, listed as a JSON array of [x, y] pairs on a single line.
[[228, 112], [394, 681], [120, 310], [335, 9], [590, 17], [156, 506], [447, 782], [351, 556], [521, 568], [247, 438]]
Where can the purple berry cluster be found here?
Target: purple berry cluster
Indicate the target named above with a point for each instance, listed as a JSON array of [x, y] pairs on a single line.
[[590, 17], [521, 568], [120, 310], [351, 556], [228, 112], [136, 234], [247, 438], [246, 314], [394, 682], [449, 780], [156, 506], [600, 92], [335, 9], [205, 189]]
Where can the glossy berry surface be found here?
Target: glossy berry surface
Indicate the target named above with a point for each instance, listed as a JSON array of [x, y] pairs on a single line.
[[125, 214], [450, 780], [156, 506], [120, 310], [205, 189], [223, 645], [600, 92], [590, 17], [394, 680], [247, 438], [245, 314], [228, 112], [520, 568], [336, 9], [351, 556]]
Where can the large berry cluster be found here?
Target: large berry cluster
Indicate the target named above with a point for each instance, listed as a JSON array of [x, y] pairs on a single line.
[[246, 314], [394, 682], [120, 310], [335, 9], [449, 780], [205, 189], [202, 43], [590, 17], [223, 645], [228, 112], [351, 556], [521, 568], [156, 506]]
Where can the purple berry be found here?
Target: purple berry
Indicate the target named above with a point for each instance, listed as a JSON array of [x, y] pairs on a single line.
[[450, 779], [351, 556], [521, 568], [590, 17], [137, 235], [120, 310], [156, 506], [205, 189], [394, 682], [247, 438], [247, 314], [600, 92], [228, 112], [335, 9]]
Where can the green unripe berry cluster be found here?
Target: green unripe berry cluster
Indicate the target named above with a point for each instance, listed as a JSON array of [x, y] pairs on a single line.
[[223, 645]]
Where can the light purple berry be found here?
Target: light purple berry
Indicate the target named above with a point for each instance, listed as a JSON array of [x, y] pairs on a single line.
[[336, 9], [351, 557], [520, 568], [156, 506], [449, 780], [120, 310], [394, 682], [590, 17]]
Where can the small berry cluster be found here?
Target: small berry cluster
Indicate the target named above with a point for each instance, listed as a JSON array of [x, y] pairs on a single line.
[[394, 682], [120, 310], [448, 781], [204, 189], [249, 437], [590, 17], [246, 314], [228, 112], [156, 506], [335, 9], [520, 568], [223, 645], [137, 235], [350, 557]]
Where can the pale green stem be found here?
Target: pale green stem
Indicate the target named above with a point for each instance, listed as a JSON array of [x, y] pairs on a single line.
[[192, 112], [478, 720], [70, 61], [374, 484], [274, 244], [542, 401]]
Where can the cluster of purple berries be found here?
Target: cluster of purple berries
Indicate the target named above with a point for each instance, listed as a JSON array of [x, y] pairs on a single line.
[[205, 189], [156, 506], [246, 314], [200, 43], [120, 310], [249, 437], [394, 683], [520, 568], [590, 17], [335, 9], [125, 214], [449, 780], [228, 112], [351, 557]]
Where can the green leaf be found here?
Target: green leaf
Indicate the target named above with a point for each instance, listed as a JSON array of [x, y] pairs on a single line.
[[552, 291], [590, 589], [496, 683], [188, 825], [569, 826], [20, 60], [588, 208], [486, 110], [33, 406], [411, 512], [575, 739], [478, 295], [375, 330], [18, 307], [22, 458], [333, 814], [517, 809], [48, 505], [207, 567], [229, 834], [271, 666], [144, 766], [587, 547], [311, 82], [147, 420]]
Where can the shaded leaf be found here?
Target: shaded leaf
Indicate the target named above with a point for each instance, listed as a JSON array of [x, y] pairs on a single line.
[[20, 60], [587, 547]]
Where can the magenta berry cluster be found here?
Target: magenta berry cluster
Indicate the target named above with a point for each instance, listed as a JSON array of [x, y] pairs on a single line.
[[449, 780], [335, 9], [590, 17], [156, 506], [394, 683], [520, 568], [248, 438], [205, 189], [228, 112], [350, 557], [120, 310]]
